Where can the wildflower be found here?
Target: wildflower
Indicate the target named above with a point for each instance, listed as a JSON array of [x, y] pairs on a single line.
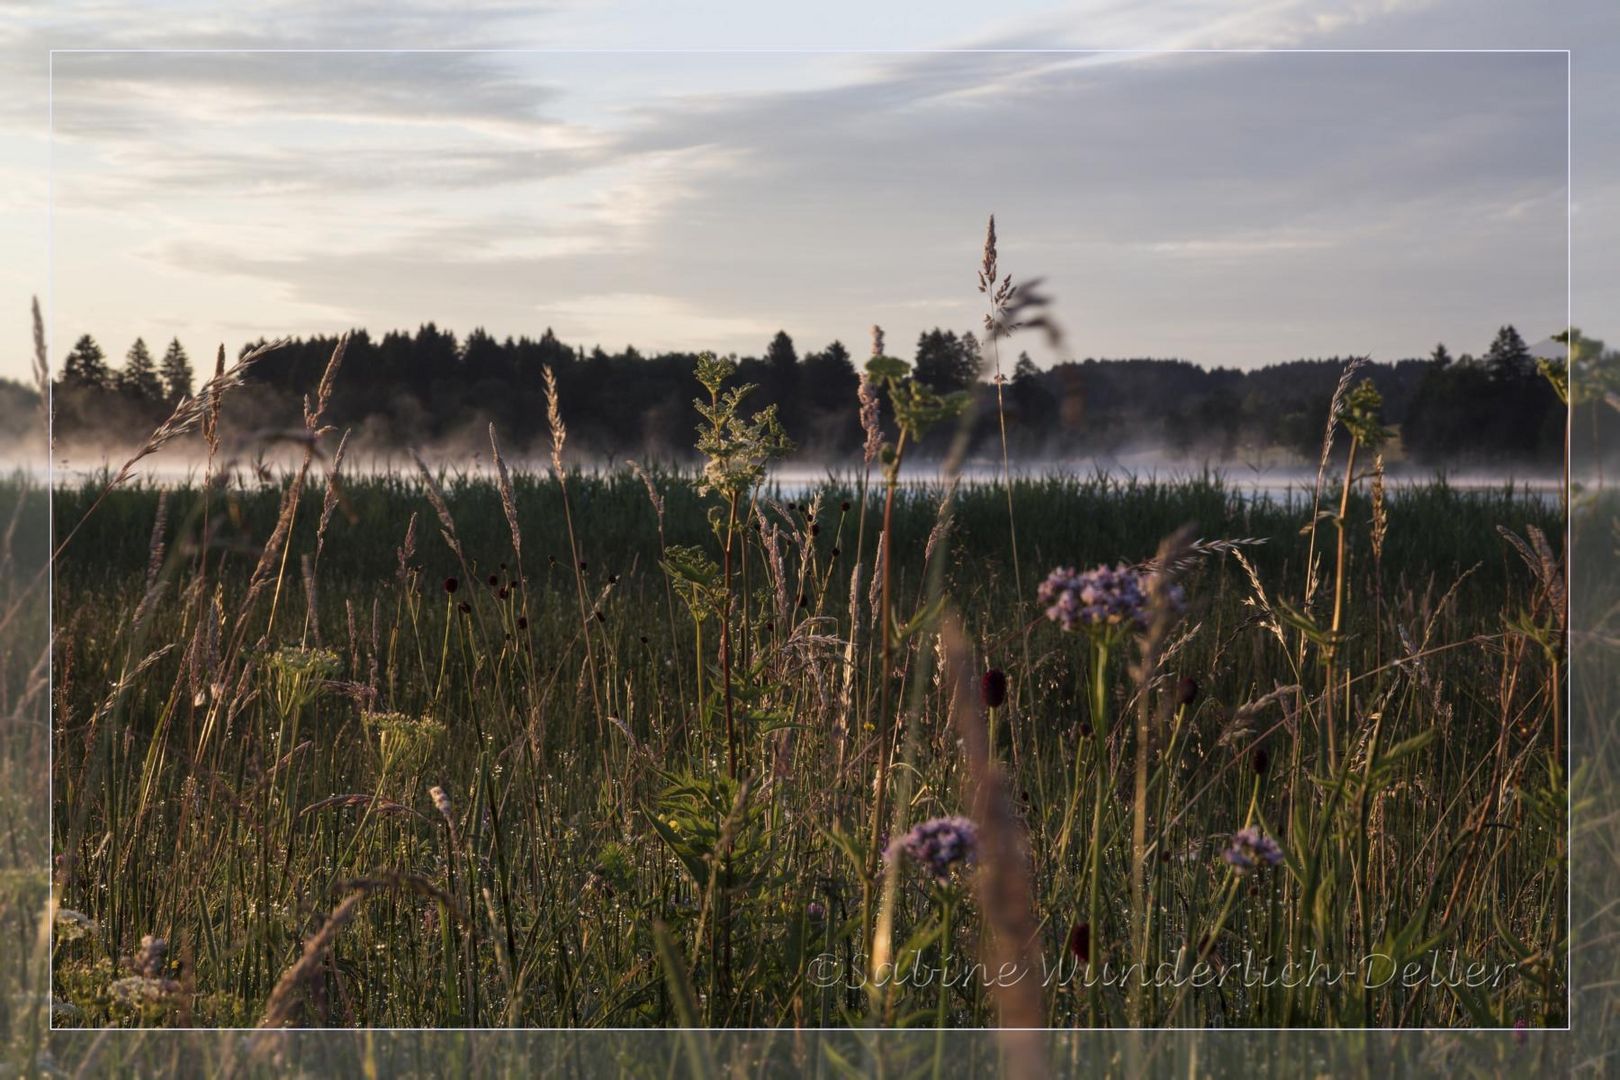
[[843, 507], [940, 844], [1250, 847], [451, 584], [72, 925], [993, 688], [1079, 943], [1260, 760], [523, 622], [140, 990], [1102, 597], [870, 426], [494, 580], [149, 961], [441, 801], [815, 910], [406, 740], [466, 608], [1186, 690]]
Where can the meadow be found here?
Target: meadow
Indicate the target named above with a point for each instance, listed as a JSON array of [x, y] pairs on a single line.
[[669, 748]]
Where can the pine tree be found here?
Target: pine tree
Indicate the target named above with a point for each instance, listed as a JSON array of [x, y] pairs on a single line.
[[139, 379], [175, 371], [86, 366], [1441, 357]]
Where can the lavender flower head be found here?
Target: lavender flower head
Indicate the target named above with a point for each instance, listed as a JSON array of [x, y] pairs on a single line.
[[1100, 598], [1250, 847], [939, 844]]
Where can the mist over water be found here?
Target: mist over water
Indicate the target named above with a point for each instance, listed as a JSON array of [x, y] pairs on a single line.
[[1275, 476]]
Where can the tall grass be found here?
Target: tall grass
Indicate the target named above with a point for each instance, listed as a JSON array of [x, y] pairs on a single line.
[[487, 774], [231, 809]]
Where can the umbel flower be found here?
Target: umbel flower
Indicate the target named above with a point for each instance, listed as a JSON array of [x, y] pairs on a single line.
[[939, 844], [1250, 848], [1100, 599]]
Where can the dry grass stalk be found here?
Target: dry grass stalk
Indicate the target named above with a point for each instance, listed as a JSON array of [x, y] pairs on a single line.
[[1002, 880], [42, 369], [503, 481], [334, 495], [284, 998], [554, 421]]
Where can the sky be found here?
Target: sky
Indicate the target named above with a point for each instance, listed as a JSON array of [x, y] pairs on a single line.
[[700, 176]]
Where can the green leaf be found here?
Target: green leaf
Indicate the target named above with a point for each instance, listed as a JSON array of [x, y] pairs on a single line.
[[699, 1058], [887, 367]]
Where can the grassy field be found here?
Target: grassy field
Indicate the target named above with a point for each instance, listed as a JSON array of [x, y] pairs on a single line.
[[615, 750]]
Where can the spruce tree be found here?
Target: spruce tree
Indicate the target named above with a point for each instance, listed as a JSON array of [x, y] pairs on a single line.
[[86, 366], [139, 379], [1508, 358], [780, 354], [175, 371]]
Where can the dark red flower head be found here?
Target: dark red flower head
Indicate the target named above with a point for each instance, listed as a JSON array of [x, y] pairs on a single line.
[[1186, 690], [1079, 943], [451, 584], [993, 688]]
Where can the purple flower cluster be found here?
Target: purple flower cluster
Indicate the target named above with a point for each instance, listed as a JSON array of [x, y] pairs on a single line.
[[939, 844], [1099, 598], [1250, 847]]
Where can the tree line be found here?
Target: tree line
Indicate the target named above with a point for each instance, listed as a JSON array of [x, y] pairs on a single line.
[[407, 389]]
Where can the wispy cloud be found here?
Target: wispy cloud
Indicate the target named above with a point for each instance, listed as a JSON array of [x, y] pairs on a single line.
[[1232, 208]]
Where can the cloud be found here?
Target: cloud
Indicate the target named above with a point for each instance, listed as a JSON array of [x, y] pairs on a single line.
[[1231, 208]]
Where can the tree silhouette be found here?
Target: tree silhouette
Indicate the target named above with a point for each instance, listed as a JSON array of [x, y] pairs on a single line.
[[86, 366], [175, 370], [139, 379], [1034, 403], [1508, 358], [779, 381], [945, 362], [781, 355], [828, 382], [403, 388]]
